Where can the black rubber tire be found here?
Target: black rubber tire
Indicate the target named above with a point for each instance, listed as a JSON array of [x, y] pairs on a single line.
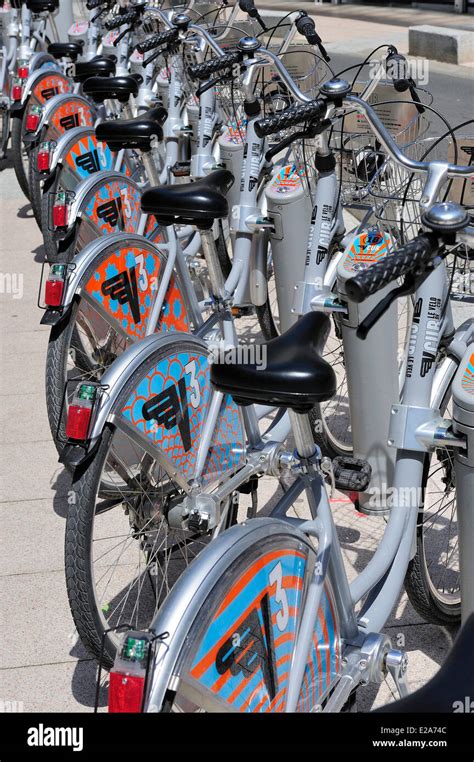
[[416, 582], [50, 245], [56, 362], [17, 148], [34, 182], [78, 569], [222, 252], [5, 133]]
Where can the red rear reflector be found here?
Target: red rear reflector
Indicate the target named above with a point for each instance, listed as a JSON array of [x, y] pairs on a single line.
[[125, 692], [78, 419], [17, 92], [42, 161], [23, 72], [32, 122], [60, 215], [53, 292]]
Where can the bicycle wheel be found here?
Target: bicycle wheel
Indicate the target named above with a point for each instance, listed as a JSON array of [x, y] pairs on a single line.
[[432, 580], [4, 132], [124, 549], [233, 649], [19, 153]]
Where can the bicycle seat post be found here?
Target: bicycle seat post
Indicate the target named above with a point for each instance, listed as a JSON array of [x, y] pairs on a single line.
[[302, 433], [209, 249]]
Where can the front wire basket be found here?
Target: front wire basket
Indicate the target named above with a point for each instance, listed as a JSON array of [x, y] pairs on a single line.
[[400, 216]]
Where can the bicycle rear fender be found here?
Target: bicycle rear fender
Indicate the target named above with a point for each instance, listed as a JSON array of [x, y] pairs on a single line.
[[76, 209], [120, 372], [42, 85], [219, 605], [76, 147], [67, 111], [166, 408], [119, 277]]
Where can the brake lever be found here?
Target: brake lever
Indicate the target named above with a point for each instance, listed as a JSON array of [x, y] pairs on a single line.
[[310, 132], [207, 85], [122, 35], [411, 283]]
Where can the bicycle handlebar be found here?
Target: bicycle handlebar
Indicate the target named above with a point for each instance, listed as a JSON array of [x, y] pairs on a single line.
[[204, 70], [290, 118], [412, 256], [164, 38], [126, 18]]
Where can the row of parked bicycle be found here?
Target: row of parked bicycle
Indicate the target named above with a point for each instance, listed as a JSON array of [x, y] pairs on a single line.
[[194, 173]]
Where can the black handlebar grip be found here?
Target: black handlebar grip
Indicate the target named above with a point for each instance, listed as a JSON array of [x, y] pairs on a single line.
[[164, 38], [407, 258], [126, 18], [289, 118], [92, 4], [205, 70], [248, 7]]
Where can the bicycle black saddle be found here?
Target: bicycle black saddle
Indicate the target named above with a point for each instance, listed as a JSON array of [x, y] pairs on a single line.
[[65, 49], [133, 133], [119, 88], [295, 375], [198, 203], [100, 66]]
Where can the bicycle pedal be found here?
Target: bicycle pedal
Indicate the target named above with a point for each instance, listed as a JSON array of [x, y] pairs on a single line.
[[181, 169], [351, 474]]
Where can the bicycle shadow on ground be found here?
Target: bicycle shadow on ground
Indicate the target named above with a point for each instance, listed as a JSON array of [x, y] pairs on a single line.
[[25, 212], [39, 253], [84, 679], [61, 486]]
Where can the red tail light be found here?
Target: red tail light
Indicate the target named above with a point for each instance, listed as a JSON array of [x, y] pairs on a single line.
[[127, 679], [78, 419], [53, 293], [32, 122], [23, 72], [80, 411], [17, 92], [60, 215], [55, 286], [43, 160], [126, 692]]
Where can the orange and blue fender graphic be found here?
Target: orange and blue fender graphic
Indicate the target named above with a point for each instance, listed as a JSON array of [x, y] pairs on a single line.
[[115, 208], [467, 381], [50, 85], [245, 653], [169, 406], [125, 286], [73, 113], [87, 156]]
